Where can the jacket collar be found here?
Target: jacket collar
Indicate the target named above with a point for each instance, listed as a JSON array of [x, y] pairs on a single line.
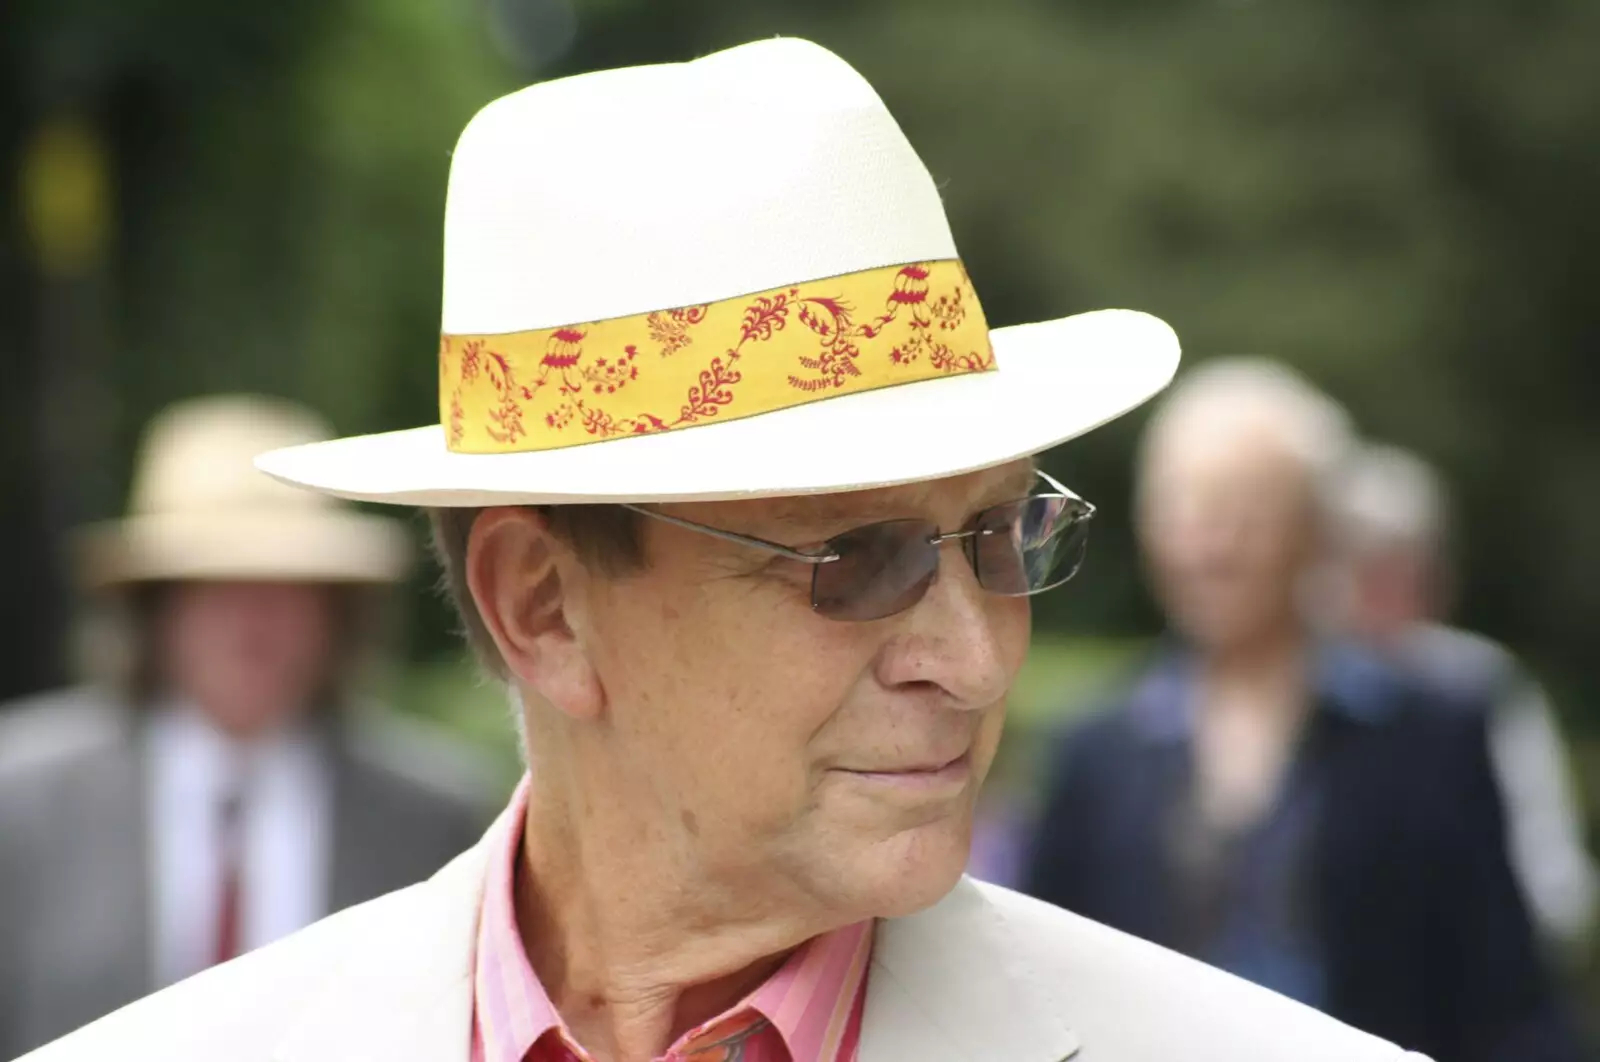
[[404, 991], [945, 985], [1347, 682], [948, 985]]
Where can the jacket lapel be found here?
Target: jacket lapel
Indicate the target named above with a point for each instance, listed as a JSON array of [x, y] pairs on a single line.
[[92, 944], [358, 870], [945, 986], [404, 994]]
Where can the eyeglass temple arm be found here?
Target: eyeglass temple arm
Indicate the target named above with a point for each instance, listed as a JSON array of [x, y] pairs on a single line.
[[734, 536], [1057, 486], [815, 558]]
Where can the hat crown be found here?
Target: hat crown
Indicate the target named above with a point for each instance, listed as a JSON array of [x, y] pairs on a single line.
[[728, 278], [648, 188], [197, 457]]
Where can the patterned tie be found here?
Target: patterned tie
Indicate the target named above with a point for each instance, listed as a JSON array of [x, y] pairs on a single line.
[[230, 846], [727, 1041]]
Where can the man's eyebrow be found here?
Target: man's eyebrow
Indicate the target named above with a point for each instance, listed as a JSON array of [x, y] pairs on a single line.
[[815, 511], [1016, 485], [821, 511]]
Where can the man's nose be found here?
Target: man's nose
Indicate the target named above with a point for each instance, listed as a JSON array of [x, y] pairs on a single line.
[[952, 640]]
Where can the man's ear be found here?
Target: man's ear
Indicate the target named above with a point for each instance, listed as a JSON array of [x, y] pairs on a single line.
[[522, 580]]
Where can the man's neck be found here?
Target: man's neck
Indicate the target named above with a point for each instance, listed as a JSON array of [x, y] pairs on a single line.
[[631, 968], [1276, 661], [1391, 635], [1253, 703]]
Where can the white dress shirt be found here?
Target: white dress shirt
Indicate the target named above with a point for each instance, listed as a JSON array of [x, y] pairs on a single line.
[[284, 784]]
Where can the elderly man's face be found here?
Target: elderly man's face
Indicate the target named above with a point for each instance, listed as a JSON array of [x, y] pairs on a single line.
[[1226, 522], [251, 656], [774, 744], [1391, 589]]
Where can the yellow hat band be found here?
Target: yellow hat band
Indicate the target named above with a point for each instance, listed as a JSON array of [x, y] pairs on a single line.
[[670, 369]]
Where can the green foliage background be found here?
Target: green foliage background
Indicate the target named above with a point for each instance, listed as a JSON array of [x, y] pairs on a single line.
[[1394, 196]]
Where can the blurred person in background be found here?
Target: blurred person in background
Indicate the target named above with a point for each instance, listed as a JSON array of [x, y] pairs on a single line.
[[219, 793], [1282, 807], [1394, 551]]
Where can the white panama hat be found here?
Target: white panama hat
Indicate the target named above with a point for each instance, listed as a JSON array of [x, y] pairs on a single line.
[[199, 511], [726, 278]]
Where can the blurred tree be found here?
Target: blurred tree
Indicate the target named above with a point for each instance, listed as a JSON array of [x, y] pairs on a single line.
[[1391, 196], [271, 190]]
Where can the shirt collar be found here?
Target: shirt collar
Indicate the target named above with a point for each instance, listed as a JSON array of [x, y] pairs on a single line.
[[813, 1001], [205, 763], [1346, 681]]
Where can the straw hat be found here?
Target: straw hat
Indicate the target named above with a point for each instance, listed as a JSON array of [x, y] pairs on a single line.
[[200, 511], [731, 277]]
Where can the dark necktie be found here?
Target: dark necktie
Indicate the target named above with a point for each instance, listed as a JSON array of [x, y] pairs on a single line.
[[230, 847]]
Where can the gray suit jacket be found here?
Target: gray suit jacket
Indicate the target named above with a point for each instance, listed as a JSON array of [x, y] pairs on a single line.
[[74, 879]]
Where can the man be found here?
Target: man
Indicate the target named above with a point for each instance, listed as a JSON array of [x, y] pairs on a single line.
[[733, 486], [1285, 808], [1394, 546], [219, 794]]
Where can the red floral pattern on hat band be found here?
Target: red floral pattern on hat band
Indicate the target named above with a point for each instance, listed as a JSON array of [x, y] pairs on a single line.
[[738, 357]]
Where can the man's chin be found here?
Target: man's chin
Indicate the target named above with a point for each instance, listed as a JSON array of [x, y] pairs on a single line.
[[911, 871]]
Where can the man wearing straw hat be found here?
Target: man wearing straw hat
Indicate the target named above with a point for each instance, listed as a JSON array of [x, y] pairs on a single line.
[[218, 795], [734, 487]]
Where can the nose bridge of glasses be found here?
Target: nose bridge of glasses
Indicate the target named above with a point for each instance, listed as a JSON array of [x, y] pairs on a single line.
[[966, 537], [959, 586]]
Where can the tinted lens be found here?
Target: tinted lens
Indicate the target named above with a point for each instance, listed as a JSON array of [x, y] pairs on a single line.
[[1029, 545], [882, 569]]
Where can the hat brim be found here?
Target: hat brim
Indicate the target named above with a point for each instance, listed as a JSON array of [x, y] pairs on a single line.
[[1055, 381], [310, 547]]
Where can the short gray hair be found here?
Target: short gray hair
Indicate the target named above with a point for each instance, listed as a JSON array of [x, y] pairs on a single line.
[[1314, 428], [606, 537], [1391, 497]]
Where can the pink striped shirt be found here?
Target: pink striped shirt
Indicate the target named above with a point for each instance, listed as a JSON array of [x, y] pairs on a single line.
[[808, 1011]]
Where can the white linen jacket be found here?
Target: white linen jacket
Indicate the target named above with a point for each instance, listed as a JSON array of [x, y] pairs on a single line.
[[985, 975]]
